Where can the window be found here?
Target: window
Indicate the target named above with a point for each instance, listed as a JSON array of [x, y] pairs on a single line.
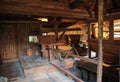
[[94, 30], [117, 30], [44, 34], [33, 39]]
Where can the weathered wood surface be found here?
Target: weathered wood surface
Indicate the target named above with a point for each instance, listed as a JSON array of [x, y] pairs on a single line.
[[32, 65], [11, 70], [69, 54], [56, 76], [14, 37], [75, 38], [39, 8], [28, 62], [106, 18], [108, 71], [19, 22], [85, 59], [67, 73], [100, 40], [7, 41], [51, 40], [66, 64], [14, 73], [35, 3], [111, 50], [35, 66]]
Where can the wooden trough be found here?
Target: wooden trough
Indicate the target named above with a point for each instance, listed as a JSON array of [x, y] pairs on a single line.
[[43, 71]]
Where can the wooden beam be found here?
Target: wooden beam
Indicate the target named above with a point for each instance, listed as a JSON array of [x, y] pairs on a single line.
[[67, 73], [88, 10], [56, 23], [77, 56], [100, 40], [35, 3], [89, 36], [65, 20], [92, 5], [71, 29], [67, 4], [59, 30], [76, 4], [112, 16], [75, 49], [41, 11], [61, 36], [65, 29], [85, 59], [16, 22]]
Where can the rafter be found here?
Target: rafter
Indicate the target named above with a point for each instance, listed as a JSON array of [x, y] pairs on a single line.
[[81, 3], [34, 3], [25, 9], [76, 4]]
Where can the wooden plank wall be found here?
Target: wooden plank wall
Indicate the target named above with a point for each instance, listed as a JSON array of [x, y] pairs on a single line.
[[111, 50], [14, 38]]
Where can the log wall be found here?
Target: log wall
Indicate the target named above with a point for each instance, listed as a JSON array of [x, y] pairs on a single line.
[[14, 38]]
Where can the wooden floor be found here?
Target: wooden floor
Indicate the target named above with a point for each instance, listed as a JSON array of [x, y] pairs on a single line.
[[14, 72], [11, 70]]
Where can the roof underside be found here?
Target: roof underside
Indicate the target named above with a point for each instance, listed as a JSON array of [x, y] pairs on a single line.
[[66, 12]]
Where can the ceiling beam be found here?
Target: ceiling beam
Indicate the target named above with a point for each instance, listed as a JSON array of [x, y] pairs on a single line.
[[41, 11], [112, 16], [35, 3], [81, 3], [88, 9], [76, 4], [18, 22], [59, 30], [71, 29]]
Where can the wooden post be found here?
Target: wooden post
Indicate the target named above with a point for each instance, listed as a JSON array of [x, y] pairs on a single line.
[[100, 40], [48, 49], [89, 36], [88, 31], [56, 29], [118, 68]]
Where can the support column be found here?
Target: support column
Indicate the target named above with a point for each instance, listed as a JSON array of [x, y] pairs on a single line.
[[100, 40], [89, 36], [56, 29]]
